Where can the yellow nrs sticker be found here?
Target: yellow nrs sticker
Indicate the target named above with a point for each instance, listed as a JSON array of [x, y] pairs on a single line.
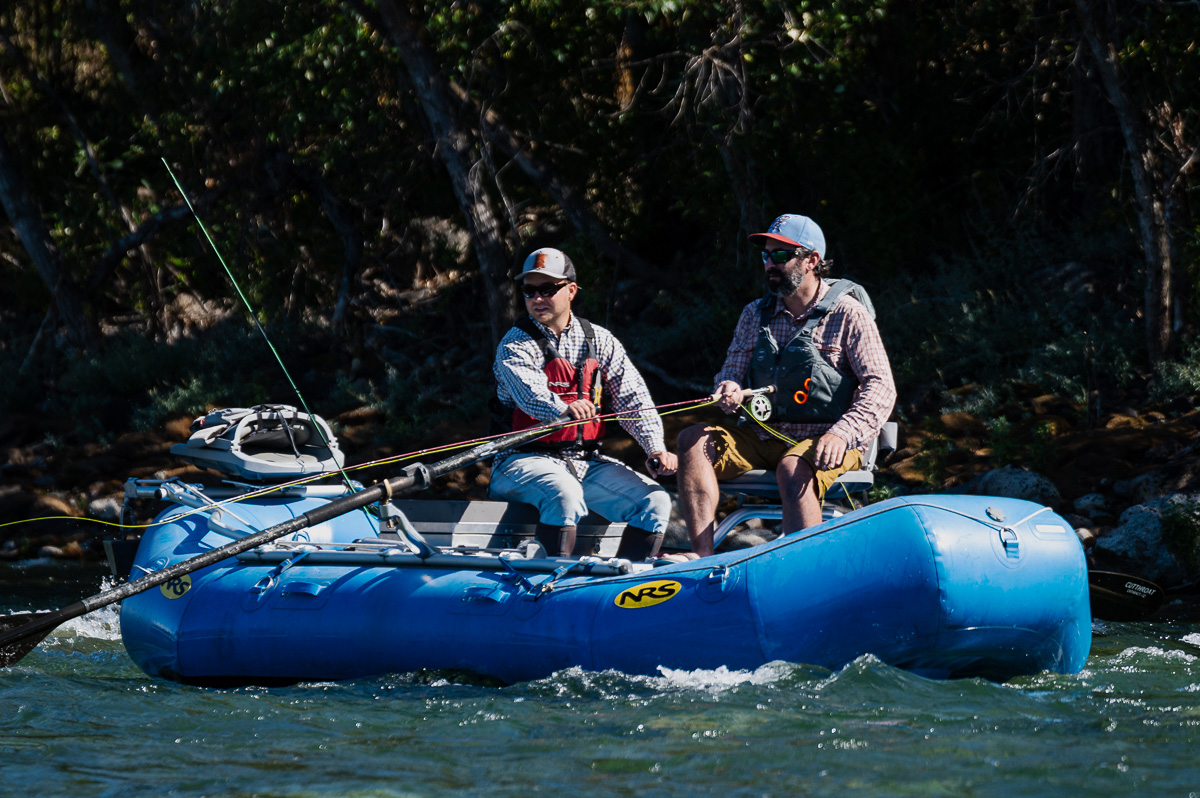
[[647, 594], [176, 587]]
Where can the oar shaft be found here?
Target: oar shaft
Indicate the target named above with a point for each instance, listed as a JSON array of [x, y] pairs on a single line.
[[335, 508], [385, 489], [231, 549]]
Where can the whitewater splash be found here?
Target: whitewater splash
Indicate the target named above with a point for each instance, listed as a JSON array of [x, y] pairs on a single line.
[[101, 624], [1141, 654], [721, 678]]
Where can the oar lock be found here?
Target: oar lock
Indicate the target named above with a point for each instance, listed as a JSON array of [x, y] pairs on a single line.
[[421, 476]]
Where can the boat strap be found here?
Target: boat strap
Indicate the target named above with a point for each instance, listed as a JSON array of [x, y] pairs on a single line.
[[515, 576], [264, 584], [583, 567], [557, 574]]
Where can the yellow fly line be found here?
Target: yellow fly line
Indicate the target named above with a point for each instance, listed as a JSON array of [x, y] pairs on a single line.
[[266, 491]]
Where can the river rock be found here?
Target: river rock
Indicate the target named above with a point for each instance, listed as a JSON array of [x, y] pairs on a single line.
[[1076, 520], [963, 424], [745, 539], [105, 509], [1091, 505], [14, 501], [1016, 483], [1147, 487], [1137, 545]]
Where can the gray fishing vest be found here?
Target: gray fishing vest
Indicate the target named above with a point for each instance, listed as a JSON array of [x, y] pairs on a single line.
[[807, 388]]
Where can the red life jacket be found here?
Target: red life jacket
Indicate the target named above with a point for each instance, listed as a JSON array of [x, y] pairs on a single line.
[[570, 382]]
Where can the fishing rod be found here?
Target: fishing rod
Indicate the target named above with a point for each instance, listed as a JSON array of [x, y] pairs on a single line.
[[389, 460]]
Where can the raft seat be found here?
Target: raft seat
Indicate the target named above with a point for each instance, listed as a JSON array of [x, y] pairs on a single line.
[[499, 525], [851, 486]]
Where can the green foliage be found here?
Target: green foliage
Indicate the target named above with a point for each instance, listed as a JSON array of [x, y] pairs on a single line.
[[1179, 378], [1181, 531], [933, 460], [1041, 449], [935, 144], [1002, 440], [135, 382], [881, 491], [989, 319]]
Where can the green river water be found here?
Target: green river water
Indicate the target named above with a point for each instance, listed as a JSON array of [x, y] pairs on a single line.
[[77, 718]]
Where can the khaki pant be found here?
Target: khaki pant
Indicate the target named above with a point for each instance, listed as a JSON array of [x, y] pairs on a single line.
[[739, 449]]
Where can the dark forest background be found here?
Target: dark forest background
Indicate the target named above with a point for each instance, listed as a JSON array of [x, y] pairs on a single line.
[[1013, 182]]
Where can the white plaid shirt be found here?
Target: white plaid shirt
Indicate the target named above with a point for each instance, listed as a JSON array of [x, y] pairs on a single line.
[[849, 341], [521, 381]]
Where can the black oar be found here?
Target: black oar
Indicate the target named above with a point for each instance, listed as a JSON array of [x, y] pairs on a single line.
[[1122, 597], [20, 633]]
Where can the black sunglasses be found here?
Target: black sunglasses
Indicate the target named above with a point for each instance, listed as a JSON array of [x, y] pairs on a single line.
[[546, 290], [782, 256]]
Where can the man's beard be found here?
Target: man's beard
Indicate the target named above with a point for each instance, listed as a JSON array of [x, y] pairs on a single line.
[[784, 282]]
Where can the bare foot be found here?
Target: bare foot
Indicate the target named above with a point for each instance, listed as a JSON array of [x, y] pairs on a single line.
[[682, 556]]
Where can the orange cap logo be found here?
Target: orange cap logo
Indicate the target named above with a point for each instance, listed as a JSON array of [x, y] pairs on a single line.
[[540, 261]]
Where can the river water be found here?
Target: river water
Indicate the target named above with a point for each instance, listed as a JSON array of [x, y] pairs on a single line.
[[77, 718]]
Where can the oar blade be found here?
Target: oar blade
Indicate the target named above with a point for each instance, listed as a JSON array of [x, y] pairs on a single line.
[[14, 650], [1122, 597]]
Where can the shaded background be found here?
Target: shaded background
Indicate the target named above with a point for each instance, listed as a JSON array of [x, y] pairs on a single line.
[[1014, 183]]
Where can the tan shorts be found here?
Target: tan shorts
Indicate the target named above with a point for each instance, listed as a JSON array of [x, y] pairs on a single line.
[[739, 449]]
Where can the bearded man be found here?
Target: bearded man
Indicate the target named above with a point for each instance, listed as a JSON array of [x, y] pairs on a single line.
[[818, 347]]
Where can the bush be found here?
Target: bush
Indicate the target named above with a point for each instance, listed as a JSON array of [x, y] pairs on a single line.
[[1175, 379], [984, 321], [1181, 531]]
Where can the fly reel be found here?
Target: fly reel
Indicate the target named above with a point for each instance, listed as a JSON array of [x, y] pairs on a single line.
[[759, 404]]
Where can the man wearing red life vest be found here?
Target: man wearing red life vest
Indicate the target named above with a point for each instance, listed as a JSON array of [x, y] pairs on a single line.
[[552, 363]]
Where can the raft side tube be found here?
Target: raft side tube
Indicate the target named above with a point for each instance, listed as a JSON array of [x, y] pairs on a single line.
[[1014, 579], [862, 583]]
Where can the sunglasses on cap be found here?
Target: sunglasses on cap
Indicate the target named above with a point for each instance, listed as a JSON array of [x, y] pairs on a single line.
[[546, 290], [782, 256]]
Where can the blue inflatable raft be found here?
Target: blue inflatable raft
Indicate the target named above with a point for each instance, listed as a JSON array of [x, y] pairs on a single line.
[[945, 586]]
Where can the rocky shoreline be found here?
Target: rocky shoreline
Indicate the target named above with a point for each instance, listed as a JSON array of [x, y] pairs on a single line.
[[1129, 482]]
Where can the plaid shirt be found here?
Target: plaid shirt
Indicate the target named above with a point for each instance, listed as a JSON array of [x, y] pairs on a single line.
[[521, 381], [849, 340]]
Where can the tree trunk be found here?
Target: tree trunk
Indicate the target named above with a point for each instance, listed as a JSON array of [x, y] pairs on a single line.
[[547, 178], [455, 149], [154, 290], [23, 212], [1149, 200], [282, 167], [744, 185]]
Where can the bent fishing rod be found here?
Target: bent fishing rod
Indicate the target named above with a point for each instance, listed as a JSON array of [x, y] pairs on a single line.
[[19, 634]]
